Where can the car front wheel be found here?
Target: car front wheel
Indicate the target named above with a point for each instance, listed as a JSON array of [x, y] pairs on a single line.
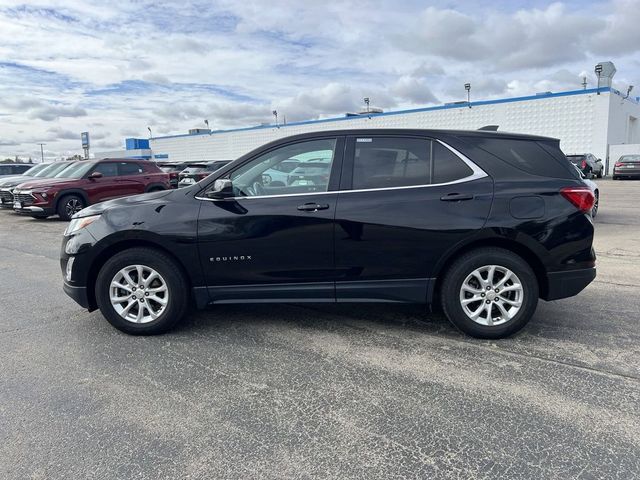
[[142, 291], [489, 293], [69, 205]]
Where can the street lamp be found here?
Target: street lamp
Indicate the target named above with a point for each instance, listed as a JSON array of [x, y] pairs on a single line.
[[467, 87], [150, 135], [275, 114], [366, 102], [598, 71], [42, 151]]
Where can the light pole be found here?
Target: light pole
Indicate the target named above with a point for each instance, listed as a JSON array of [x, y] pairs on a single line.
[[598, 71], [42, 151], [467, 87], [367, 100], [150, 135], [275, 114]]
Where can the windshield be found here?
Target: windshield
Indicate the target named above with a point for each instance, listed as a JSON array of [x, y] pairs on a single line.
[[76, 170], [36, 168], [630, 158], [194, 169], [53, 170]]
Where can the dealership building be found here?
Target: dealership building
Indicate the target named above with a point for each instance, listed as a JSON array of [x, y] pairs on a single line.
[[602, 121]]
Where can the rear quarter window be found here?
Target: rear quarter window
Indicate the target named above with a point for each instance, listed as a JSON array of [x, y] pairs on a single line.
[[538, 158]]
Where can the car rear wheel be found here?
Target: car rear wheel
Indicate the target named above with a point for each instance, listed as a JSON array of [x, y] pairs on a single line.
[[489, 293], [69, 205], [142, 291]]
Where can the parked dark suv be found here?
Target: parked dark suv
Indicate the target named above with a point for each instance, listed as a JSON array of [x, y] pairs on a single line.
[[590, 165], [482, 223], [85, 183]]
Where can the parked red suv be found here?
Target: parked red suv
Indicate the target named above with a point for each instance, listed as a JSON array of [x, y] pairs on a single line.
[[86, 183]]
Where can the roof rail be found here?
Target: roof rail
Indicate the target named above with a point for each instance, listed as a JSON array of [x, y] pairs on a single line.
[[489, 128]]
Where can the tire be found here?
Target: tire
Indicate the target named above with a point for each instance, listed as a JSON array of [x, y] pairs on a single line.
[[70, 204], [599, 175], [155, 189], [460, 272], [596, 204], [171, 277]]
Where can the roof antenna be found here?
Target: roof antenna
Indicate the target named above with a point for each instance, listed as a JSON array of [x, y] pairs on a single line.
[[489, 128]]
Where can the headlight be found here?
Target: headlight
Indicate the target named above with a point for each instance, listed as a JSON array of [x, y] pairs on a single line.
[[80, 223]]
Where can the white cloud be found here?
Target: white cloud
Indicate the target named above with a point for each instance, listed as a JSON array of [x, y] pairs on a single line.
[[115, 68]]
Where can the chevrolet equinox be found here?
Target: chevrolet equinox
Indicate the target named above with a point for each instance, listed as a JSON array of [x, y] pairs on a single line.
[[479, 223]]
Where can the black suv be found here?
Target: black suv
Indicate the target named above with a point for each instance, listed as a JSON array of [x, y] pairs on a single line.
[[481, 223]]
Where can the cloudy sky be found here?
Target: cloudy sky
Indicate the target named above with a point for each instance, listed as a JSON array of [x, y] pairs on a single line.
[[115, 67]]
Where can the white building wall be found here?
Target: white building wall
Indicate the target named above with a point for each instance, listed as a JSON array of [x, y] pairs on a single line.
[[579, 119], [623, 133]]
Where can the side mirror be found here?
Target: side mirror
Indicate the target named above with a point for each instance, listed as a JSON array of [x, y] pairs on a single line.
[[95, 175], [222, 188]]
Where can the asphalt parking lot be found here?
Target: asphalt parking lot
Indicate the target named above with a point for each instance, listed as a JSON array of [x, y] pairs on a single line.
[[291, 391]]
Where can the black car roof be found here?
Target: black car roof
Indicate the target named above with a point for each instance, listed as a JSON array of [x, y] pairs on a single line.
[[418, 131]]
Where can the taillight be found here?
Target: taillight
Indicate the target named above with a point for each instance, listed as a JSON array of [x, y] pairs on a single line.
[[618, 164], [581, 197], [173, 175], [583, 165]]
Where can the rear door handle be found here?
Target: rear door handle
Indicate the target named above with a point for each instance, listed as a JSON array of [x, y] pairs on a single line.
[[456, 197], [312, 207]]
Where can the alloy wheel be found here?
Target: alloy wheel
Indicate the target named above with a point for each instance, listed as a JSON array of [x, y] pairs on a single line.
[[491, 295], [138, 294], [73, 206]]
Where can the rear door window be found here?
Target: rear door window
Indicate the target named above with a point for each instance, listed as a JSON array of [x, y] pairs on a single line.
[[129, 168], [388, 162], [384, 162], [447, 166]]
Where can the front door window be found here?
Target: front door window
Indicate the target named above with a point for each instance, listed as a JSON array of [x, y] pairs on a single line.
[[293, 169]]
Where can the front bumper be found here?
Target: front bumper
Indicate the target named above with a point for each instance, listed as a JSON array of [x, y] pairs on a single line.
[[569, 283], [78, 294]]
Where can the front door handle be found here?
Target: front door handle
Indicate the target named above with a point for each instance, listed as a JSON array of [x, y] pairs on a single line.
[[456, 197], [312, 207]]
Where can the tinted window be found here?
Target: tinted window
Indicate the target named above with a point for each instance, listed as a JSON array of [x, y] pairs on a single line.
[[527, 155], [5, 170], [107, 169], [251, 180], [447, 166], [630, 158], [129, 168], [576, 159], [382, 162]]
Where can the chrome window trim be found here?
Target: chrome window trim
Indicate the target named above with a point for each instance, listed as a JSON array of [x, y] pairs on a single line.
[[477, 174]]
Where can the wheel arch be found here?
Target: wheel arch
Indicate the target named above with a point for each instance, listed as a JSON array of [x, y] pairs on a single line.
[[71, 191], [511, 245], [120, 246], [155, 187]]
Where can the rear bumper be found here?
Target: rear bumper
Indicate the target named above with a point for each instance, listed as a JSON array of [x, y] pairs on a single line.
[[626, 173], [568, 284]]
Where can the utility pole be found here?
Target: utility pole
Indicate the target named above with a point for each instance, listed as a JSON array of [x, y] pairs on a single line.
[[42, 151]]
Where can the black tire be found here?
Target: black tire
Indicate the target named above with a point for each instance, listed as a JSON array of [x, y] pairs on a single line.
[[177, 286], [155, 189], [70, 204], [463, 267], [599, 175]]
